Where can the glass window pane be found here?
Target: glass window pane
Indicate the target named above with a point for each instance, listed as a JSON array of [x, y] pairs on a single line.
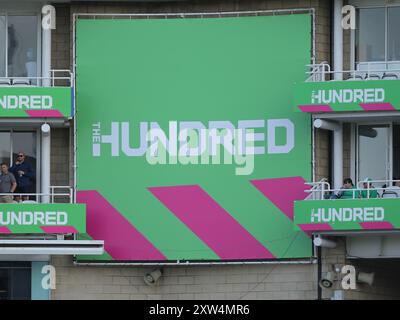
[[20, 279], [393, 34], [22, 46], [15, 280], [2, 46], [373, 152], [4, 290], [370, 35], [5, 147]]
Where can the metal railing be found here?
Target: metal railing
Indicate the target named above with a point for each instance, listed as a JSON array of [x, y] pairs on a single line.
[[318, 189], [321, 190], [365, 71], [56, 78], [318, 72], [57, 194]]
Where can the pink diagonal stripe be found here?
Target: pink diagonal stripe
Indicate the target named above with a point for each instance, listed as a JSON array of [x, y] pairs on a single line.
[[315, 227], [382, 225], [60, 230], [282, 192], [315, 108], [44, 113], [211, 223], [121, 239], [377, 106], [4, 230]]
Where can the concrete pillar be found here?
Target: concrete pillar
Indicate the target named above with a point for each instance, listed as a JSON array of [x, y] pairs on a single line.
[[46, 56], [45, 162], [338, 39]]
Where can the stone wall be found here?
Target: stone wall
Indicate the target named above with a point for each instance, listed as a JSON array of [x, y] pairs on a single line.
[[239, 282]]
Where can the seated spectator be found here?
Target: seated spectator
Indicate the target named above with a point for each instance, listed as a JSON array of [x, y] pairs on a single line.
[[392, 191], [348, 191], [369, 190]]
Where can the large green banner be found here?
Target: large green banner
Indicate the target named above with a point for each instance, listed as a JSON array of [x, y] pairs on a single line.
[[36, 102], [42, 218], [354, 214], [349, 95], [187, 144]]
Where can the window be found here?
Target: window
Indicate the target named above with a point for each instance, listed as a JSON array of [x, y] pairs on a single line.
[[374, 152], [377, 34], [3, 49], [393, 34], [12, 142], [370, 38], [18, 45], [15, 281]]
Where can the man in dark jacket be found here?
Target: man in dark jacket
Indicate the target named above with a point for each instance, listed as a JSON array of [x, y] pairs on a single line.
[[24, 175]]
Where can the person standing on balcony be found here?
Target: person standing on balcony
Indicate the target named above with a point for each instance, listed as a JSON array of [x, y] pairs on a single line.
[[24, 175], [8, 184]]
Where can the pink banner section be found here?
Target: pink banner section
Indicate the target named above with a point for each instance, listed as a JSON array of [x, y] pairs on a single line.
[[211, 223], [44, 113], [122, 241], [377, 106], [283, 192], [377, 225], [315, 108], [4, 230], [60, 230], [315, 227]]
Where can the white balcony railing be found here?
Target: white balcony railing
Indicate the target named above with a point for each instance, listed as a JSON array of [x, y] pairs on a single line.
[[388, 189], [57, 78], [58, 194], [389, 70], [318, 189]]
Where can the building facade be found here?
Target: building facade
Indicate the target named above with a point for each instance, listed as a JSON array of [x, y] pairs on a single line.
[[58, 82]]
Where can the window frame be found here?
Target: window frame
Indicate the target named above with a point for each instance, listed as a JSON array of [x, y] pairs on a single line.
[[353, 57], [6, 13], [389, 147], [37, 131]]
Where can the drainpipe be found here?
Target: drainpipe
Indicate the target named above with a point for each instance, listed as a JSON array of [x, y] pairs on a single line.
[[337, 129], [45, 162], [338, 39]]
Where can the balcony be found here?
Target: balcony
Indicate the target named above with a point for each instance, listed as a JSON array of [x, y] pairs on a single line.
[[51, 213], [47, 224], [372, 87], [37, 97], [365, 207]]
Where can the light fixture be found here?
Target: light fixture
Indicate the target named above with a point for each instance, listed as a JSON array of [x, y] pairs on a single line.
[[45, 128], [327, 281], [323, 242], [151, 278]]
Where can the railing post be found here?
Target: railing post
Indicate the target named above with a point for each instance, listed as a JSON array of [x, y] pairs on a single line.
[[322, 190]]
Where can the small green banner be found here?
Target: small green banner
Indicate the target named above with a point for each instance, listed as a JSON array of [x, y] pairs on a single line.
[[36, 102], [337, 96], [60, 218], [354, 214]]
